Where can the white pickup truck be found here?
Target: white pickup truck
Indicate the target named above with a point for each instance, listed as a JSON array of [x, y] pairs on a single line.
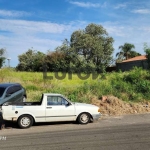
[[51, 108]]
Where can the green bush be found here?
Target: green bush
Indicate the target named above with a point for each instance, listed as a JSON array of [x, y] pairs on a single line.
[[142, 86]]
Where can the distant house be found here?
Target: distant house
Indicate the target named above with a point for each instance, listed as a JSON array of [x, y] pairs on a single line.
[[138, 61]]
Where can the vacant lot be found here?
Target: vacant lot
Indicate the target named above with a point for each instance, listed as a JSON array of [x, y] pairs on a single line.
[[122, 92]]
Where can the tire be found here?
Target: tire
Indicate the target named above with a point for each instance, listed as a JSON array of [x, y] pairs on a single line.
[[84, 118], [24, 99], [25, 121]]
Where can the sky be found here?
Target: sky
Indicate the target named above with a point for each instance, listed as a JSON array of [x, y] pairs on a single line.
[[42, 25]]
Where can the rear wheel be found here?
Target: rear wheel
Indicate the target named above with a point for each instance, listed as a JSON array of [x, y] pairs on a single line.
[[84, 118], [25, 121]]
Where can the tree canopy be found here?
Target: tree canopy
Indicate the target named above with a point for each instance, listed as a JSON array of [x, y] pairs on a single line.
[[126, 52], [2, 58], [87, 50], [32, 60], [92, 45], [147, 51]]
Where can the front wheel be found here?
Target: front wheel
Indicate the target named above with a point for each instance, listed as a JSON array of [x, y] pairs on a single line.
[[25, 121], [84, 118]]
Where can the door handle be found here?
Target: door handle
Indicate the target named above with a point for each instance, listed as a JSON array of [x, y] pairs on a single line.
[[48, 107]]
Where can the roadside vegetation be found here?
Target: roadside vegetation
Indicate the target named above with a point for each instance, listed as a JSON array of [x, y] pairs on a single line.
[[133, 86]]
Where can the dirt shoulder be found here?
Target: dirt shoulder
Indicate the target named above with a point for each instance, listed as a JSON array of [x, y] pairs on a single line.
[[112, 106]]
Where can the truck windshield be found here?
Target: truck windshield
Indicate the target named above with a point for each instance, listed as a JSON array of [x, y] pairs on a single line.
[[2, 89]]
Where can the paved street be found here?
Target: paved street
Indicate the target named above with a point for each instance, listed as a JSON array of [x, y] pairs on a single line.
[[130, 132]]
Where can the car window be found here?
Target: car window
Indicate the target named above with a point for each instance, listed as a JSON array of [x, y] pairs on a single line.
[[10, 90], [56, 100], [64, 101], [2, 89], [16, 88]]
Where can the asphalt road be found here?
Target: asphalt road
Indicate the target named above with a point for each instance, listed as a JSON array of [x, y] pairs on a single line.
[[130, 132]]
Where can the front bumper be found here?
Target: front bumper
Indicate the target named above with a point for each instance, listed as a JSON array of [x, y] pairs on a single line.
[[96, 116]]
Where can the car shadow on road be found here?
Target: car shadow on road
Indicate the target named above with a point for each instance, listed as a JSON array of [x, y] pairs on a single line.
[[11, 125]]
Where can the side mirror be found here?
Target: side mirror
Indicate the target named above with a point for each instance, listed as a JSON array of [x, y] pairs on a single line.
[[68, 104]]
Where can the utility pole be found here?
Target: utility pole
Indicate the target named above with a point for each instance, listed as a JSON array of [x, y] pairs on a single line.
[[9, 62]]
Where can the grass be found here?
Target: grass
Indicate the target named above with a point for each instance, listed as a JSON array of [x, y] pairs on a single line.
[[129, 86]]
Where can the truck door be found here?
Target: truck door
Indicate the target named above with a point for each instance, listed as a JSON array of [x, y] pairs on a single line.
[[59, 109]]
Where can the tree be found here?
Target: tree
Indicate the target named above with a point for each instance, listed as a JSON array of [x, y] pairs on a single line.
[[125, 51], [147, 51], [134, 54], [32, 60], [2, 58], [93, 45], [64, 59], [56, 61], [88, 50]]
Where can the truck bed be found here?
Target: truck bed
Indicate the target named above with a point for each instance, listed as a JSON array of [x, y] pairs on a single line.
[[24, 103]]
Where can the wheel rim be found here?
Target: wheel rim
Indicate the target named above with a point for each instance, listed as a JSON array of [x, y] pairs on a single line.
[[84, 118], [25, 121]]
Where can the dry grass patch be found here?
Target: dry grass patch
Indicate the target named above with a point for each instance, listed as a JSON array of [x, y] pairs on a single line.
[[111, 105]]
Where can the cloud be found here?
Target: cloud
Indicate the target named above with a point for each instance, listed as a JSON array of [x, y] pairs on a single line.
[[147, 29], [85, 4], [114, 29], [10, 27], [7, 13], [133, 32], [17, 45], [17, 36], [141, 11], [120, 6], [23, 26]]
